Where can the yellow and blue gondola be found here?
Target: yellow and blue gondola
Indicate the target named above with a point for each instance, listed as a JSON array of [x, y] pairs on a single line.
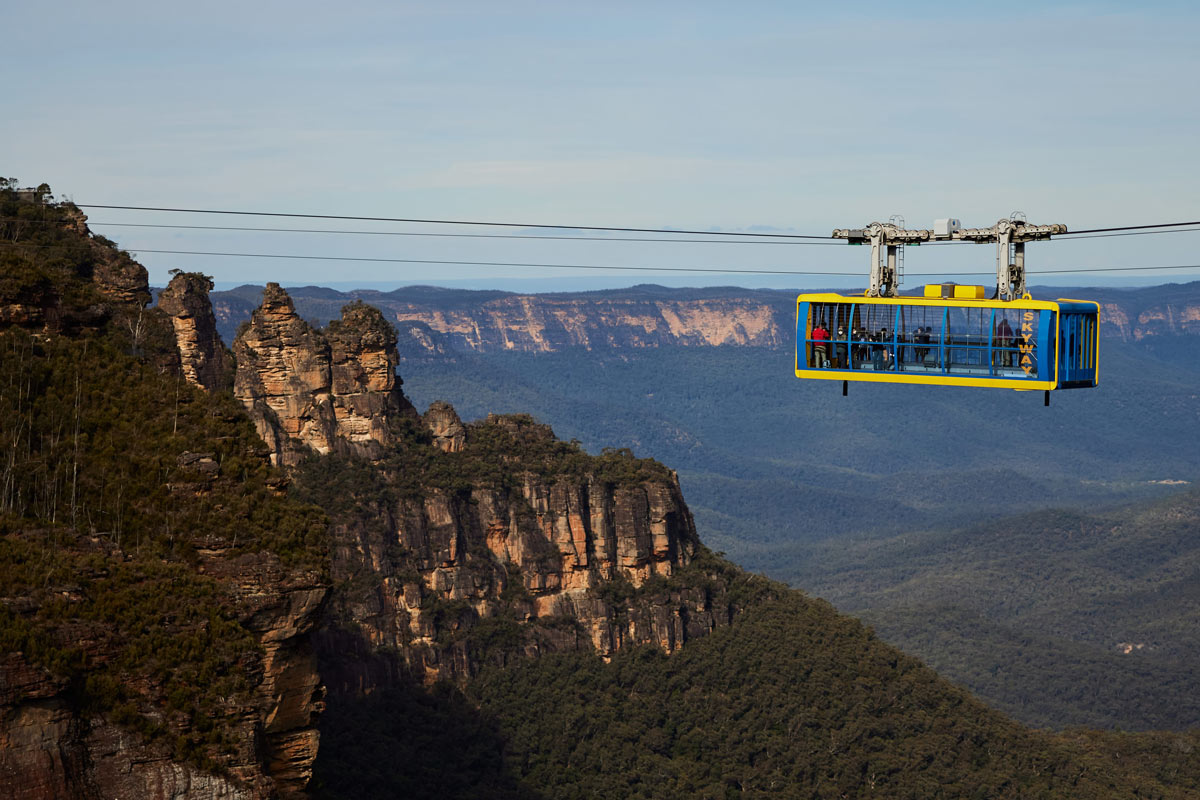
[[952, 336]]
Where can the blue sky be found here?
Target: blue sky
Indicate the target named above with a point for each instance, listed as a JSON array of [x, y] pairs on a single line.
[[752, 116]]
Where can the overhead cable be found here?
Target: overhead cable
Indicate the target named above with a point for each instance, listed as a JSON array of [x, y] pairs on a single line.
[[1131, 228], [455, 235], [453, 222]]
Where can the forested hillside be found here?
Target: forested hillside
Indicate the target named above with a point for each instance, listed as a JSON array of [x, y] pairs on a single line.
[[791, 701], [155, 581], [1058, 618]]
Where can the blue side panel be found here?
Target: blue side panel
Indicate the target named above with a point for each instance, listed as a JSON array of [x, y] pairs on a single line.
[[802, 336], [1077, 347]]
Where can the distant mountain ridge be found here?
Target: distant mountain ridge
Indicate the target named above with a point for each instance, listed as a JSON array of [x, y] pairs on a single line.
[[435, 321]]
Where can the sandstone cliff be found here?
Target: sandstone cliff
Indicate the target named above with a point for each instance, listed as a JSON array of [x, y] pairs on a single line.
[[547, 323], [1138, 322], [563, 556], [309, 391], [202, 355]]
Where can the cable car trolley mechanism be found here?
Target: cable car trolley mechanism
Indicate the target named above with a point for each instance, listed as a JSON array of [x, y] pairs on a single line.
[[951, 335]]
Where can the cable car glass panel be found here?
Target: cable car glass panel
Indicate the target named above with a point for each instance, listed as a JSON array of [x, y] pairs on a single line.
[[1078, 350]]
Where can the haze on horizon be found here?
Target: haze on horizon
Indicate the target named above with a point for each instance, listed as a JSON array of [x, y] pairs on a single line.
[[771, 117]]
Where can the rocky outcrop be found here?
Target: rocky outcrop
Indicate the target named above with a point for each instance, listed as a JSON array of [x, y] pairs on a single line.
[[114, 272], [363, 384], [449, 434], [84, 289], [202, 356], [282, 608], [122, 279], [311, 391]]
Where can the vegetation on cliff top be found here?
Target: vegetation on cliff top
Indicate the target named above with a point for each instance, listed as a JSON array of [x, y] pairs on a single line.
[[119, 483], [499, 452]]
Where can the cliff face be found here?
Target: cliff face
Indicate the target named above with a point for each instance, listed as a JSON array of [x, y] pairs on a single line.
[[47, 751], [49, 748], [547, 323], [1161, 319], [282, 608], [202, 355], [548, 557], [308, 391]]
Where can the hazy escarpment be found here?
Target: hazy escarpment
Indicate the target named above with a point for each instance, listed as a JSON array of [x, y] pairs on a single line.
[[435, 323]]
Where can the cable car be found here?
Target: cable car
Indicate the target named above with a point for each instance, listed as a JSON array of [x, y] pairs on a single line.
[[959, 340], [952, 335]]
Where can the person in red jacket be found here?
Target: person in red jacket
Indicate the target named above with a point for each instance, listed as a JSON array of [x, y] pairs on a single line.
[[820, 337]]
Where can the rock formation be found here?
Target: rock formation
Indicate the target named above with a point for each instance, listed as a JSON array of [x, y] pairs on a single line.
[[49, 749], [308, 391], [539, 549], [114, 272], [449, 435], [554, 544], [201, 354], [364, 388]]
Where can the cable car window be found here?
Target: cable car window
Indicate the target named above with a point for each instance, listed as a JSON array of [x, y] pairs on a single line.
[[968, 338], [1006, 327], [919, 334]]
